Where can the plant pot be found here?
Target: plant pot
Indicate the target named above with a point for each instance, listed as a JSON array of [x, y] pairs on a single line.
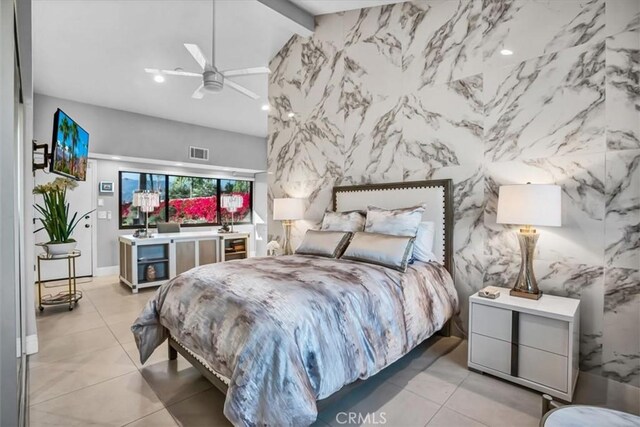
[[60, 248]]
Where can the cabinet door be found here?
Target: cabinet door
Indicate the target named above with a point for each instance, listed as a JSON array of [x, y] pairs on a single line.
[[185, 256], [543, 333], [490, 352], [490, 321], [207, 252], [542, 367]]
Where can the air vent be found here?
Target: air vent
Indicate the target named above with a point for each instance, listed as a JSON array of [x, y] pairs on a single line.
[[197, 153]]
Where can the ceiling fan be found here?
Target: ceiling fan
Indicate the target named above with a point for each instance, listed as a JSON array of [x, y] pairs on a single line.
[[213, 81]]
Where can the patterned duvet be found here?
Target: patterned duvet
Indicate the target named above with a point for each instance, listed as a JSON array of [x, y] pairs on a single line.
[[291, 330]]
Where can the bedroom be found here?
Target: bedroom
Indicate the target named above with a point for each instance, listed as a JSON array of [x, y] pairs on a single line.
[[451, 104]]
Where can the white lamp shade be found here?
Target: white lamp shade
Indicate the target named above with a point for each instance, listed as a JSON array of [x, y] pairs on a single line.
[[146, 201], [288, 209], [530, 204], [231, 202]]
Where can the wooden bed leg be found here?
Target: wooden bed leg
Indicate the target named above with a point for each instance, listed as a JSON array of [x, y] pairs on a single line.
[[173, 354]]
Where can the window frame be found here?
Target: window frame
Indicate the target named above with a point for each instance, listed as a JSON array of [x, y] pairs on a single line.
[[166, 200]]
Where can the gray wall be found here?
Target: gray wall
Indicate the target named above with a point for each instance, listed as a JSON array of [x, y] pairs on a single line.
[[8, 226], [108, 231], [125, 134], [419, 90], [121, 133]]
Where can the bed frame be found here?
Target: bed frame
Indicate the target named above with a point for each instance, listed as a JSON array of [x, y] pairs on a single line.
[[438, 197]]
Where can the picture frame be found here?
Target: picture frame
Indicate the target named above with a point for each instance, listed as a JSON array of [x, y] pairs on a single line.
[[106, 187]]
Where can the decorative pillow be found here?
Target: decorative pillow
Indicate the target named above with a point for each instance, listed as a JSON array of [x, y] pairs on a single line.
[[396, 222], [329, 244], [381, 249], [343, 221], [423, 246]]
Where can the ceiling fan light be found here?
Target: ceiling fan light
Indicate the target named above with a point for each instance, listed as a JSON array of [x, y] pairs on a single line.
[[158, 78]]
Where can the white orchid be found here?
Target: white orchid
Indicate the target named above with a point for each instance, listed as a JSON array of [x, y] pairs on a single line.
[[273, 247]]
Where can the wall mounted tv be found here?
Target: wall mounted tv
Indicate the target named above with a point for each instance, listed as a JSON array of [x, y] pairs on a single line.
[[70, 147]]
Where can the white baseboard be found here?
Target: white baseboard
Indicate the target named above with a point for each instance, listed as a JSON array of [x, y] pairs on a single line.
[[31, 345], [107, 271]]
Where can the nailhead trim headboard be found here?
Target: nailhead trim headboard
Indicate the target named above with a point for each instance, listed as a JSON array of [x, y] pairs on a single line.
[[436, 194]]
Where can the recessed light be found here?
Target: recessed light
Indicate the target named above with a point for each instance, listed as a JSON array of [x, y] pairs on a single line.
[[265, 107], [159, 78], [290, 115], [115, 157], [178, 164], [506, 52]]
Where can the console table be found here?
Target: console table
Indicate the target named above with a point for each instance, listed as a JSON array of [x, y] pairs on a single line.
[[148, 262]]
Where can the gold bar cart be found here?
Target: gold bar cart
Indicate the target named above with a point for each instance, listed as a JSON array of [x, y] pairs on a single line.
[[72, 296]]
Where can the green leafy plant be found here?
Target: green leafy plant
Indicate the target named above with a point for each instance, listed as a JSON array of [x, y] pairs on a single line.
[[54, 212]]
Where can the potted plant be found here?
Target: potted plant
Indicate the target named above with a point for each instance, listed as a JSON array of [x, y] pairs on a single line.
[[54, 216]]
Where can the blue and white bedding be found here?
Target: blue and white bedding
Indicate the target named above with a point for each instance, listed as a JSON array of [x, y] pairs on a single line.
[[291, 330]]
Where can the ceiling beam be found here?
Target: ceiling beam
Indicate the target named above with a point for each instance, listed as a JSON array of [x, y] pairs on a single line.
[[303, 20]]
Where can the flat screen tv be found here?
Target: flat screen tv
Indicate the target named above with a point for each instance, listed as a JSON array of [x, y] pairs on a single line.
[[70, 148]]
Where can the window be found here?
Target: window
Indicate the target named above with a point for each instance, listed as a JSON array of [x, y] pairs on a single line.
[[237, 188], [188, 200], [193, 200], [133, 181]]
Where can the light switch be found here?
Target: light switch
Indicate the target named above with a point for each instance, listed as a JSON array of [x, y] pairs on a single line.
[[100, 202], [108, 214], [102, 215]]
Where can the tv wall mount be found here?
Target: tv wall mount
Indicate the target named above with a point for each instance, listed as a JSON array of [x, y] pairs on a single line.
[[46, 156]]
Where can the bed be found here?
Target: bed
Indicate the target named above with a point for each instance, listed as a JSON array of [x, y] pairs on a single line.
[[280, 335]]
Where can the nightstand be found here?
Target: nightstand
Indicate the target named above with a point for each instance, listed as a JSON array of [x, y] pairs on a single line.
[[534, 343]]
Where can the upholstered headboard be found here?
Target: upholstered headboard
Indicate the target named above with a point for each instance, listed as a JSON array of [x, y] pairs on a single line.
[[437, 195]]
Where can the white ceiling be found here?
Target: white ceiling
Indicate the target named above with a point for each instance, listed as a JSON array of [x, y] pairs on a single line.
[[321, 7], [96, 51]]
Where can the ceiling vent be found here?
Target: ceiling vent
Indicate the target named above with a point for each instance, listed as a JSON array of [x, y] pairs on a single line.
[[197, 153]]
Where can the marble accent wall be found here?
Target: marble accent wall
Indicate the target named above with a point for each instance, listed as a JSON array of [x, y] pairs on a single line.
[[418, 90]]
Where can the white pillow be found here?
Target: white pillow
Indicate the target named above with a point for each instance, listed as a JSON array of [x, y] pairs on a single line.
[[423, 245]]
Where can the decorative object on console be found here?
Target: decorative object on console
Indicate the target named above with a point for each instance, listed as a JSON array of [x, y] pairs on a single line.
[[273, 247], [232, 203], [288, 210], [147, 201], [54, 216], [527, 205]]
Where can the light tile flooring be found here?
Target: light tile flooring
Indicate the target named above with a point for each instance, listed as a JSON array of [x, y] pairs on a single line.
[[88, 373]]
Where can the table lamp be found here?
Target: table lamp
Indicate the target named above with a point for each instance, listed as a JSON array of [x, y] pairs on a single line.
[[288, 210], [528, 205], [232, 203], [147, 201]]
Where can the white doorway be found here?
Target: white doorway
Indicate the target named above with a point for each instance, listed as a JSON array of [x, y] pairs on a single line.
[[82, 199]]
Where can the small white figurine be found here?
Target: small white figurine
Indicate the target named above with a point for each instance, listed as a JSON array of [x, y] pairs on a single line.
[[273, 247]]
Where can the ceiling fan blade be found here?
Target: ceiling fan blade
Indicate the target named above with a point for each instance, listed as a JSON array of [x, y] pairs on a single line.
[[198, 94], [197, 54], [172, 72], [243, 90], [181, 73], [246, 71]]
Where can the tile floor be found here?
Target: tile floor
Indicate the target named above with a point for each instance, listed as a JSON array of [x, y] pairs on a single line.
[[88, 373]]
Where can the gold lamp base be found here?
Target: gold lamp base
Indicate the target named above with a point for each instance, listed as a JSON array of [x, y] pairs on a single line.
[[526, 285]]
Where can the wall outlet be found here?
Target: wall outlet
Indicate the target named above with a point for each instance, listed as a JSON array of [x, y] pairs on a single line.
[[109, 215], [100, 202], [102, 214]]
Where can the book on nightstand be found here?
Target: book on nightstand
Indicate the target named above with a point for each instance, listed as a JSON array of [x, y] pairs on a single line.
[[490, 292]]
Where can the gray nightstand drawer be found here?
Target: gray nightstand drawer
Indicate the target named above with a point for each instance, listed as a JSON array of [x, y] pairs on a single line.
[[544, 333], [491, 321], [491, 353], [542, 367]]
